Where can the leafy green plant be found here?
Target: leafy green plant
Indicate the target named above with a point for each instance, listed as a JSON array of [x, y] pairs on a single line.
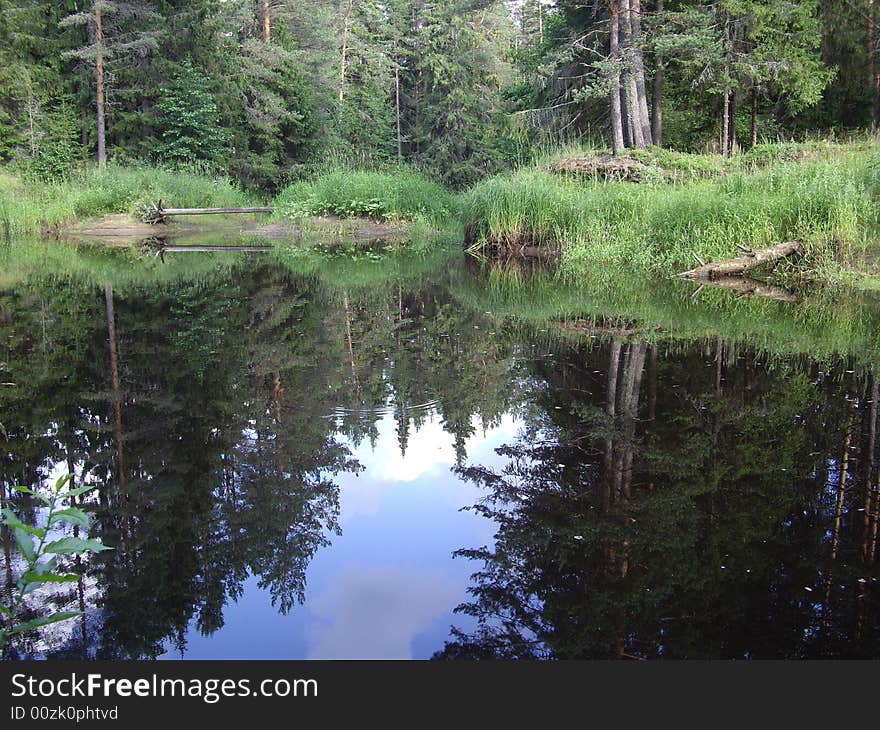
[[42, 553]]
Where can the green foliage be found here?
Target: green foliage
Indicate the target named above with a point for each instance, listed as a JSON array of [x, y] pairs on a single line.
[[43, 554], [388, 196], [273, 115], [189, 120], [662, 228], [26, 208], [463, 73]]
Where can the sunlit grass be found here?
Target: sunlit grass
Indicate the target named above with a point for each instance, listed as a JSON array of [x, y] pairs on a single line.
[[29, 208], [829, 204], [383, 196]]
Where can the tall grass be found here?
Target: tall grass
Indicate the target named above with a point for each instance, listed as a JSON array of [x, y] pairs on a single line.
[[27, 208], [828, 204], [383, 196]]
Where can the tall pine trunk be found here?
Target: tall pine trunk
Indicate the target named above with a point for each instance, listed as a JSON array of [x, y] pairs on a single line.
[[754, 115], [267, 22], [630, 86], [397, 102], [638, 42], [725, 103], [99, 73], [114, 380], [616, 118], [345, 24], [657, 94], [873, 75], [731, 129]]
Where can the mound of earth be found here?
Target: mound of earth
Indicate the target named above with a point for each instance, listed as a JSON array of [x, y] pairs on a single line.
[[605, 167]]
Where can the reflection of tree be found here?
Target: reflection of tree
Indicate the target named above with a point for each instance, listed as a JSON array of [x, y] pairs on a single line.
[[695, 533], [201, 409]]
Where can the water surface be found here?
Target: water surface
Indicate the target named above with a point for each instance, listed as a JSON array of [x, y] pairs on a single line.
[[417, 459]]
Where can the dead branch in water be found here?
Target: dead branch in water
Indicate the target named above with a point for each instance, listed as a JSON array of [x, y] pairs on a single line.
[[739, 265], [749, 288]]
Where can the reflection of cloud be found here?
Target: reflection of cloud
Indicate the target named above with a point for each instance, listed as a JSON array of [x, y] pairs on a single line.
[[430, 454], [376, 612]]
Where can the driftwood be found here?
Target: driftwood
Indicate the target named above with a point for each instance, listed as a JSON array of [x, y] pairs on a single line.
[[751, 259], [750, 288], [210, 211], [157, 213], [214, 249]]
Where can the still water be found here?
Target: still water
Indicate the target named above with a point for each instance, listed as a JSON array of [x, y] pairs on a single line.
[[331, 461]]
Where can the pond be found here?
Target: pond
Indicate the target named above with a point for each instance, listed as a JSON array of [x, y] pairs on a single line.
[[414, 458]]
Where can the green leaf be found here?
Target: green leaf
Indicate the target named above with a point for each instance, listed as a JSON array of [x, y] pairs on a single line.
[[12, 521], [6, 611], [44, 621], [74, 546], [34, 577], [24, 490], [71, 515], [25, 544], [59, 485], [79, 490], [47, 567]]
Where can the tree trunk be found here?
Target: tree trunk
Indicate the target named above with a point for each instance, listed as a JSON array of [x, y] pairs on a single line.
[[630, 86], [751, 259], [114, 379], [841, 484], [345, 24], [616, 118], [267, 23], [99, 72], [541, 21], [354, 371], [635, 369], [873, 74], [731, 129], [657, 95], [754, 115], [869, 471], [725, 123], [725, 105], [639, 68], [610, 410], [397, 102], [625, 121]]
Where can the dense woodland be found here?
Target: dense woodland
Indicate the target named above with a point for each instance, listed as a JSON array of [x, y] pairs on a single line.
[[268, 90]]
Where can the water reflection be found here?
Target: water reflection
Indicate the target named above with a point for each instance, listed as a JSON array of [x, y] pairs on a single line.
[[687, 502], [282, 459]]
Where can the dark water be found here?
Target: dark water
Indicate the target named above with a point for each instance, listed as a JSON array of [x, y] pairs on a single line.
[[292, 465]]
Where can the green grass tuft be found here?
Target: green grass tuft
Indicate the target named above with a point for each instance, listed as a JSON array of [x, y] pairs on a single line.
[[381, 196]]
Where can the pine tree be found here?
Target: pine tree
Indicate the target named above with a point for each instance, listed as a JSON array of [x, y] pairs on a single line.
[[188, 120], [117, 31]]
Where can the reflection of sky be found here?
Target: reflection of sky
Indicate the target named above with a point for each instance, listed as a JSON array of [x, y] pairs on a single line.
[[387, 586]]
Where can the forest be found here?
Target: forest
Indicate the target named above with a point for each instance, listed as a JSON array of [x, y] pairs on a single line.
[[269, 91]]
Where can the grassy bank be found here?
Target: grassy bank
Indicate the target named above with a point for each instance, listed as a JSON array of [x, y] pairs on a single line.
[[831, 204], [381, 196], [29, 208]]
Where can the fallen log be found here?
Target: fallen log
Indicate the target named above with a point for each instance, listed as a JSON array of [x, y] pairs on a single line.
[[751, 259], [211, 211], [751, 288], [157, 213]]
